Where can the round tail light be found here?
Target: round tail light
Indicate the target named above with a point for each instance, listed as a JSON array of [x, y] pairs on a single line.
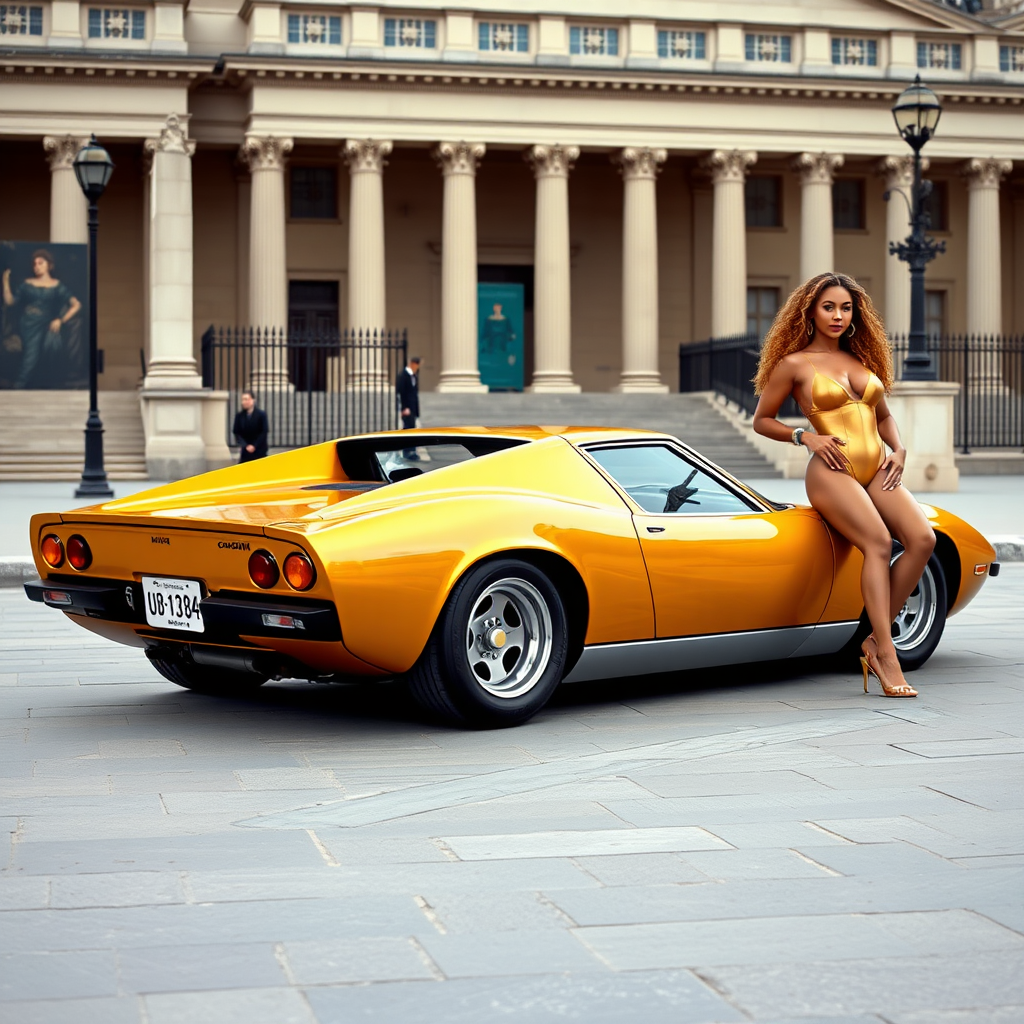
[[263, 569], [299, 571], [52, 551], [79, 554]]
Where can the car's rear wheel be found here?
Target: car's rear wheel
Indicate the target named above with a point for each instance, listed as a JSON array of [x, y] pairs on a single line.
[[498, 650], [179, 668], [919, 625]]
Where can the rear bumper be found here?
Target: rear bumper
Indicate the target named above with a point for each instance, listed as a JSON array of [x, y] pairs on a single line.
[[227, 616]]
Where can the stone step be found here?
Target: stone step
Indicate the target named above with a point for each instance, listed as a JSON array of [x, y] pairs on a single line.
[[41, 435], [690, 417]]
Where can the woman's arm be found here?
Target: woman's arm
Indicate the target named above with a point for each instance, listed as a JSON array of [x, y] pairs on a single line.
[[780, 387], [8, 297], [890, 434]]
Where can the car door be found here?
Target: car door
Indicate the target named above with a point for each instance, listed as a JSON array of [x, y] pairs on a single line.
[[718, 563]]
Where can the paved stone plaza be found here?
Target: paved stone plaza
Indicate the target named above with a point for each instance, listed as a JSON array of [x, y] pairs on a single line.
[[765, 844]]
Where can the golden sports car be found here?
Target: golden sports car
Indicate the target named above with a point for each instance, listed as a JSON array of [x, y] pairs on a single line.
[[485, 566]]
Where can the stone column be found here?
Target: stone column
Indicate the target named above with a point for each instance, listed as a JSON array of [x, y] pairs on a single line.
[[817, 250], [984, 255], [171, 362], [69, 210], [366, 159], [367, 314], [268, 267], [176, 410], [728, 171], [459, 367], [898, 172], [639, 169], [552, 292]]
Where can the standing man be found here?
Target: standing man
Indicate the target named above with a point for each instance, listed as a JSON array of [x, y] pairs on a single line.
[[408, 388], [251, 429]]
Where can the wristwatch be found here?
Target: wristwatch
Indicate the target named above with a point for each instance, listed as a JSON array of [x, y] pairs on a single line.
[[798, 436]]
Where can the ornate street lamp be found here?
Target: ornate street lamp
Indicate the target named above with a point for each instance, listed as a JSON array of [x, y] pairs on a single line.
[[93, 168], [917, 112]]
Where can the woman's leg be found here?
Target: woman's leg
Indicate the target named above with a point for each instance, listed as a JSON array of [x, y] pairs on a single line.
[[908, 524], [846, 506]]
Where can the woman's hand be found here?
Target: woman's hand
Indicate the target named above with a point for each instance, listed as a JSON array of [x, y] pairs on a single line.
[[55, 326], [893, 467], [828, 448]]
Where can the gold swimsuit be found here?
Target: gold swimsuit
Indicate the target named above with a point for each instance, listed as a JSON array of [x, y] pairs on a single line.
[[834, 411]]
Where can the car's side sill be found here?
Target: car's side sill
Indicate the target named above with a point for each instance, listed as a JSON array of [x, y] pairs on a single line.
[[674, 654]]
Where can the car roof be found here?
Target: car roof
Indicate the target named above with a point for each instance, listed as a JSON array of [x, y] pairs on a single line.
[[576, 435]]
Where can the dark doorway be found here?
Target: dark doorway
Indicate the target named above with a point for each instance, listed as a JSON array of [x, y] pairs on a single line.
[[312, 332], [498, 273]]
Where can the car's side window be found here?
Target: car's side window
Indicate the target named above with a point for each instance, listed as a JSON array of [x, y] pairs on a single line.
[[660, 479]]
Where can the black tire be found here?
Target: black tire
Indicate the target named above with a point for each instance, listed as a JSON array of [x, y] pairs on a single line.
[[918, 628], [473, 672], [179, 668]]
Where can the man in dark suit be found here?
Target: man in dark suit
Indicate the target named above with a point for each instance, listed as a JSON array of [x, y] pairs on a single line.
[[408, 388], [251, 429]]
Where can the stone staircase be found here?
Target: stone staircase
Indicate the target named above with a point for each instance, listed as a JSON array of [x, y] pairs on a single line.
[[41, 435], [691, 417]]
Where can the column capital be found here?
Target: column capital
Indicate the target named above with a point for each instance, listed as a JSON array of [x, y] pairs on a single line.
[[639, 162], [985, 172], [728, 164], [173, 137], [61, 150], [817, 168], [551, 161], [366, 156], [898, 171], [458, 157], [265, 152]]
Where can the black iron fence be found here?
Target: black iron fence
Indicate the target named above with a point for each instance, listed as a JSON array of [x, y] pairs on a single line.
[[988, 413], [313, 386]]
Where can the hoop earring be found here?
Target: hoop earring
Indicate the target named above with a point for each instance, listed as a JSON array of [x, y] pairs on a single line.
[[810, 329], [853, 330]]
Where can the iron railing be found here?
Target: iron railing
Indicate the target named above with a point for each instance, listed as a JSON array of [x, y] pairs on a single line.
[[314, 386], [988, 412]]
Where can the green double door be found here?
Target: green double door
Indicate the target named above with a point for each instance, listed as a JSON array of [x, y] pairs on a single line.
[[500, 314]]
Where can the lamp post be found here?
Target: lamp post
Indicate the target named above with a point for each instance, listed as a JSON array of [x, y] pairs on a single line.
[[917, 113], [93, 168]]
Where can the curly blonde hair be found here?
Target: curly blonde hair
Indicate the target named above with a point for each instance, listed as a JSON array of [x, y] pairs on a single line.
[[866, 339]]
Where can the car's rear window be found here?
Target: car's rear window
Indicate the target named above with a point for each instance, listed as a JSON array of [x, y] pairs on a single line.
[[386, 460]]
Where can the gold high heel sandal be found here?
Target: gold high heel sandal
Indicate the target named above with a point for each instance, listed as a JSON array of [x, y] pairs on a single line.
[[888, 690]]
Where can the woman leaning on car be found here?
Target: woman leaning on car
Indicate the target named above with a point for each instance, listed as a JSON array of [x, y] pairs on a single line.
[[827, 349]]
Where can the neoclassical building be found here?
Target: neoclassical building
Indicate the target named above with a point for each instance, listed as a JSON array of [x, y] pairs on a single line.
[[639, 175]]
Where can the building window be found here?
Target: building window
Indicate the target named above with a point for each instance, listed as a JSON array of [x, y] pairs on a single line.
[[855, 52], [321, 29], [593, 41], [17, 20], [936, 206], [673, 44], [504, 37], [935, 314], [410, 33], [762, 305], [940, 56], [115, 23], [763, 194], [770, 49], [848, 204], [314, 193], [1011, 58]]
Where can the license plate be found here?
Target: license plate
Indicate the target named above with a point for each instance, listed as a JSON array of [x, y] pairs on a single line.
[[173, 604]]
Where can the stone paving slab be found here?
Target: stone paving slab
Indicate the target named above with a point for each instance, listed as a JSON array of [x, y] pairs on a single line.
[[319, 856]]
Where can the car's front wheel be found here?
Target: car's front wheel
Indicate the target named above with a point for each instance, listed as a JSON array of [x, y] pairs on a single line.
[[919, 625], [498, 650], [179, 667]]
